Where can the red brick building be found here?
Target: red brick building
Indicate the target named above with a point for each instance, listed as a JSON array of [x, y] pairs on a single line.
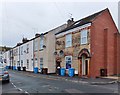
[[90, 45]]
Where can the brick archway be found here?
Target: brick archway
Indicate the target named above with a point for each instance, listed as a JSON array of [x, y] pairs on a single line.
[[84, 52], [84, 57]]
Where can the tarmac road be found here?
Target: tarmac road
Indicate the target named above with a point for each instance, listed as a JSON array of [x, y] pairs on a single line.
[[31, 83]]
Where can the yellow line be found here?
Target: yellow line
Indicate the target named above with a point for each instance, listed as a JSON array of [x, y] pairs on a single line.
[[40, 77], [51, 79], [30, 75]]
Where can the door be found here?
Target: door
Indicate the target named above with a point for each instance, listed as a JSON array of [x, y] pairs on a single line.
[[41, 66], [83, 65], [86, 67], [57, 64]]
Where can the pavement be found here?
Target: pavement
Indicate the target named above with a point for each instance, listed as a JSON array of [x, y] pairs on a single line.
[[76, 79]]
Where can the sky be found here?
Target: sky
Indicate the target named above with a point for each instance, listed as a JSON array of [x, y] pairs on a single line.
[[23, 18]]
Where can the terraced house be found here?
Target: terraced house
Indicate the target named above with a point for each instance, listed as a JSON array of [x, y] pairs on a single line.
[[90, 46], [26, 54], [16, 56], [4, 54], [44, 48]]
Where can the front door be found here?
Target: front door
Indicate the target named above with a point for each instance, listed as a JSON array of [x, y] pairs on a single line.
[[84, 66], [57, 65]]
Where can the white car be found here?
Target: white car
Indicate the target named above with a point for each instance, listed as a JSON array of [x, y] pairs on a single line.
[[4, 75]]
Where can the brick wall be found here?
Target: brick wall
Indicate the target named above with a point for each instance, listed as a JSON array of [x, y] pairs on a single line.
[[118, 53], [73, 50], [102, 44]]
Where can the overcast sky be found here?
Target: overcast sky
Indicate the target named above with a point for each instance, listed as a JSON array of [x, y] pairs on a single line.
[[24, 19]]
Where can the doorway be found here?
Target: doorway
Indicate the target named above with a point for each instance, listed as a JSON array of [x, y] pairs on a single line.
[[84, 58], [85, 66], [58, 66]]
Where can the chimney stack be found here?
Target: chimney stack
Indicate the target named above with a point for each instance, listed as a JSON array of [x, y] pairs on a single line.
[[70, 22], [37, 35], [24, 40]]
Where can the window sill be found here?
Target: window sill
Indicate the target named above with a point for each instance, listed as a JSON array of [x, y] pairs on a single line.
[[35, 50], [68, 47], [41, 49], [84, 44]]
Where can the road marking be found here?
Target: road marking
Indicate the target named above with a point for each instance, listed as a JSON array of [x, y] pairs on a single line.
[[30, 75], [51, 79], [27, 92], [45, 85], [13, 85], [73, 91], [20, 89], [95, 85], [116, 91], [41, 77], [56, 87]]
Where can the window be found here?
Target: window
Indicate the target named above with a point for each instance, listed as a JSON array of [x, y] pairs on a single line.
[[36, 45], [41, 43], [18, 63], [84, 37], [21, 63], [41, 60], [21, 50], [27, 48], [27, 64], [68, 60], [69, 40]]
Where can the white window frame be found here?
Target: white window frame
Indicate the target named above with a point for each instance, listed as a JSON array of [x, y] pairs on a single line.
[[41, 43], [27, 63], [84, 37], [21, 63], [41, 60], [68, 41], [67, 60]]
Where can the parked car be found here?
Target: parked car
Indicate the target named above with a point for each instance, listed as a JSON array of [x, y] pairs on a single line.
[[4, 75]]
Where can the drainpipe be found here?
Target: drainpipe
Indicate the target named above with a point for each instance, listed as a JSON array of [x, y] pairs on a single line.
[[19, 55], [33, 54], [12, 57]]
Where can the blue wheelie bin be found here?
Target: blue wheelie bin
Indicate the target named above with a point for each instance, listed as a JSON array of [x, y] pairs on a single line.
[[14, 67], [7, 67], [62, 71], [71, 72], [36, 70]]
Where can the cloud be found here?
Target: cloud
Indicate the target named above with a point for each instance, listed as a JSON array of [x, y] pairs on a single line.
[[24, 19]]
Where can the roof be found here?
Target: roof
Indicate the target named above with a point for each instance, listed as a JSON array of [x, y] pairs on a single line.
[[19, 44], [82, 21], [4, 48]]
